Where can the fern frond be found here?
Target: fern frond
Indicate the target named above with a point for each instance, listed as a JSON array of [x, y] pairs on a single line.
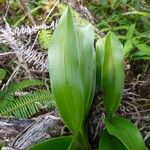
[[5, 98], [44, 38], [28, 30], [24, 53], [26, 106], [18, 86], [8, 95], [38, 59], [11, 36]]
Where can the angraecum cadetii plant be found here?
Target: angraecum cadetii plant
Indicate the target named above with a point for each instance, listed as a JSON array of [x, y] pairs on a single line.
[[74, 68]]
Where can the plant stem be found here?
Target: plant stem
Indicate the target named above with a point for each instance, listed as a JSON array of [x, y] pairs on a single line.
[[84, 137], [80, 141]]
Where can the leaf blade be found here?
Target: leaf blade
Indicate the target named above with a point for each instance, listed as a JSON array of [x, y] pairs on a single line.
[[85, 36], [65, 74], [112, 76], [126, 132], [54, 143], [109, 142], [99, 59]]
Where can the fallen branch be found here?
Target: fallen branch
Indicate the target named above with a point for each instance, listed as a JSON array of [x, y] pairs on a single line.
[[43, 127]]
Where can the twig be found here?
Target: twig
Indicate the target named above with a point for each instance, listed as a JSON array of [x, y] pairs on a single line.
[[51, 11], [7, 53], [27, 12], [12, 75], [8, 6]]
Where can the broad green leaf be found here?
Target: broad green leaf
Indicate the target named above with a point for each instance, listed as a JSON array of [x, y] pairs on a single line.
[[2, 74], [128, 44], [110, 142], [65, 75], [99, 59], [126, 132], [59, 143], [85, 36], [112, 75]]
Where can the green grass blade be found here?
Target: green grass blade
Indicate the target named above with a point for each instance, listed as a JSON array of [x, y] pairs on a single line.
[[85, 36], [65, 76], [112, 77], [126, 132], [110, 142], [59, 143]]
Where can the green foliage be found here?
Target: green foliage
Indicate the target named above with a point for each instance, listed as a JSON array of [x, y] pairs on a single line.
[[110, 142], [128, 44], [19, 86], [59, 143], [44, 38], [126, 132], [73, 83], [72, 76], [27, 105], [8, 94], [110, 58], [143, 53], [111, 78], [66, 80], [129, 20], [99, 59], [85, 36]]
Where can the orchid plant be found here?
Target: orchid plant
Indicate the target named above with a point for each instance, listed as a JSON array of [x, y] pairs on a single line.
[[74, 68]]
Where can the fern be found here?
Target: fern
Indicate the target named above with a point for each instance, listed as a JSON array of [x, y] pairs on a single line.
[[8, 94], [26, 106], [28, 30], [18, 86], [44, 38], [23, 51], [17, 38]]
